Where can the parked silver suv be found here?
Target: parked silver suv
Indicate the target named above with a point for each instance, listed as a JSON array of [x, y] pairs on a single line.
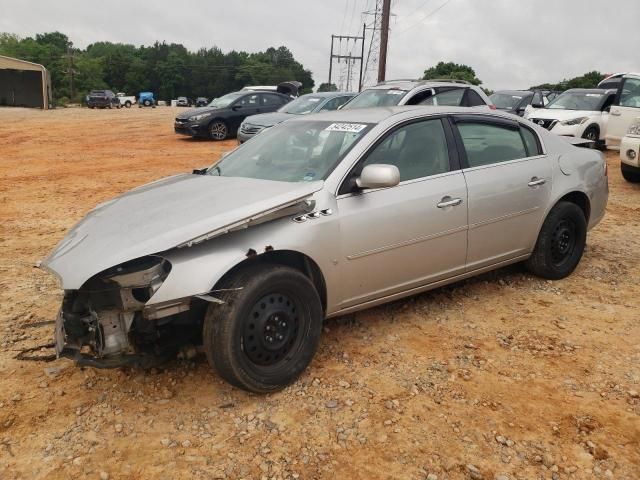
[[316, 217], [451, 93]]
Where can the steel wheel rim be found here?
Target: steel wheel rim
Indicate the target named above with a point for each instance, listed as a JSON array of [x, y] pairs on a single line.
[[218, 130], [271, 330], [563, 241]]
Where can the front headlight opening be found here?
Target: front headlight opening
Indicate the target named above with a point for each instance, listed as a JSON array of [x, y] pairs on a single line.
[[634, 128], [575, 121], [195, 118]]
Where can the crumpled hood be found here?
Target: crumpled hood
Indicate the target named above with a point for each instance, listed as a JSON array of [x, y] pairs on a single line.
[[162, 215], [559, 114], [268, 119]]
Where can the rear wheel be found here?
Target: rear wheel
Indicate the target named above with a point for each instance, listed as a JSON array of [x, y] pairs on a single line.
[[218, 130], [560, 243], [630, 174], [127, 104], [267, 331], [147, 103]]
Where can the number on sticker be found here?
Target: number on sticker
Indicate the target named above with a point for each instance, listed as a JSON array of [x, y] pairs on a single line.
[[346, 127]]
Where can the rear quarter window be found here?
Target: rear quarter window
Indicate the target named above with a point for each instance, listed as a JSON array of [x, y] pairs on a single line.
[[531, 142]]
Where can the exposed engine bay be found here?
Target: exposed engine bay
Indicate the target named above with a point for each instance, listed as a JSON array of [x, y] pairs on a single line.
[[106, 324]]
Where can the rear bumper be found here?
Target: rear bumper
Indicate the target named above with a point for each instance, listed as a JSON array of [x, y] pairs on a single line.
[[630, 151]]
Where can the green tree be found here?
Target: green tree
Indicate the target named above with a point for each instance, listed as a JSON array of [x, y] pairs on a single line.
[[327, 87], [454, 71], [588, 80]]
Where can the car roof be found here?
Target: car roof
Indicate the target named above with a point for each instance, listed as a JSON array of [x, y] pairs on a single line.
[[379, 114], [329, 94], [591, 90], [513, 92], [405, 84]]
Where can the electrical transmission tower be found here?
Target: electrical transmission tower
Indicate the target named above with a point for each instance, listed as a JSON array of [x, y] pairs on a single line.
[[346, 54]]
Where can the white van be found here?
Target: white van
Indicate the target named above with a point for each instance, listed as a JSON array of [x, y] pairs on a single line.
[[626, 107]]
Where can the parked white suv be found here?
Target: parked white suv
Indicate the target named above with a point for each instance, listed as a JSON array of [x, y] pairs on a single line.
[[450, 93], [630, 153], [579, 112], [626, 107]]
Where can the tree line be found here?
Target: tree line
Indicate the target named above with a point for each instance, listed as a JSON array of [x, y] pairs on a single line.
[[168, 70]]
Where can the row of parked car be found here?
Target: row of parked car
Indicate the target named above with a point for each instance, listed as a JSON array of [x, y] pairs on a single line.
[[108, 99], [601, 115]]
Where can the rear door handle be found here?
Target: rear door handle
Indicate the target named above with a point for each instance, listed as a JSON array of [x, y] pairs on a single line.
[[449, 202], [536, 182], [616, 113]]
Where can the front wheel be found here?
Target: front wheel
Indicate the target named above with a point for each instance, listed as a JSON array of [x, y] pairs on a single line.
[[560, 243], [630, 174], [267, 331], [127, 104], [218, 130]]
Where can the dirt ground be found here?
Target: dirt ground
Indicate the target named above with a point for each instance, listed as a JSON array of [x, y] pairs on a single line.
[[504, 376]]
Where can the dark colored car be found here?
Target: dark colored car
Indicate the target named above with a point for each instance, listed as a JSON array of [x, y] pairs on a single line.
[[202, 101], [310, 103], [221, 119], [516, 101], [103, 99]]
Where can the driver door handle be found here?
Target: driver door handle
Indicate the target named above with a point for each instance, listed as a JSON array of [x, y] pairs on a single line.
[[536, 182], [449, 202]]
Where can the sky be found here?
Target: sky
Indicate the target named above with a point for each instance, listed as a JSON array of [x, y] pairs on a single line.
[[509, 43]]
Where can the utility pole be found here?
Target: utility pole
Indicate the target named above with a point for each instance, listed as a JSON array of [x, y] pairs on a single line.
[[349, 58], [384, 40]]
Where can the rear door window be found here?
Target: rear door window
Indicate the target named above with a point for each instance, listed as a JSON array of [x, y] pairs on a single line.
[[531, 142], [487, 143], [450, 97]]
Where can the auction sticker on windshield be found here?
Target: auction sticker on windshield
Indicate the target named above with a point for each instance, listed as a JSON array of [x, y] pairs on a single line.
[[346, 127]]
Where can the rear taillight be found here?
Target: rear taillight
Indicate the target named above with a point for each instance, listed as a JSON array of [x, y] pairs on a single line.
[[492, 107]]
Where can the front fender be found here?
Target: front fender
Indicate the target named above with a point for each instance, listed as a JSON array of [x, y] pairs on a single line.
[[197, 269]]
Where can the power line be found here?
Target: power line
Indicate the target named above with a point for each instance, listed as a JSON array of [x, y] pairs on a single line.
[[419, 22], [408, 16]]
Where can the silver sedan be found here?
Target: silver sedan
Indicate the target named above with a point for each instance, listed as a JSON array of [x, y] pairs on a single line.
[[317, 217]]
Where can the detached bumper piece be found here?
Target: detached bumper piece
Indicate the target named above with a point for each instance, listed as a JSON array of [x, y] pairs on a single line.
[[105, 324]]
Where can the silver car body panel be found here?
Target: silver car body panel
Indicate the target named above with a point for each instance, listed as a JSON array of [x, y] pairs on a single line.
[[172, 212], [370, 247]]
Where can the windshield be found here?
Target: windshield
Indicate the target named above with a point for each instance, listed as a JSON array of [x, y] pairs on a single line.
[[376, 98], [505, 101], [225, 100], [302, 105], [299, 151], [577, 101]]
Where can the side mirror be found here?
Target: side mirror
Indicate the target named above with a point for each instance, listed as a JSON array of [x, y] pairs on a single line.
[[537, 105], [378, 175]]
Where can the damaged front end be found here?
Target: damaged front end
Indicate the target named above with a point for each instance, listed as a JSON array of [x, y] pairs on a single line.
[[106, 322]]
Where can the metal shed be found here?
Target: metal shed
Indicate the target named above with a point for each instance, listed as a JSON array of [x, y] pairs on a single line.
[[24, 84]]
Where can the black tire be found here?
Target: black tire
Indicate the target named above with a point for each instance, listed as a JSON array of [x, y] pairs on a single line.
[[592, 133], [218, 130], [560, 243], [147, 103], [127, 104], [630, 174], [263, 303]]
